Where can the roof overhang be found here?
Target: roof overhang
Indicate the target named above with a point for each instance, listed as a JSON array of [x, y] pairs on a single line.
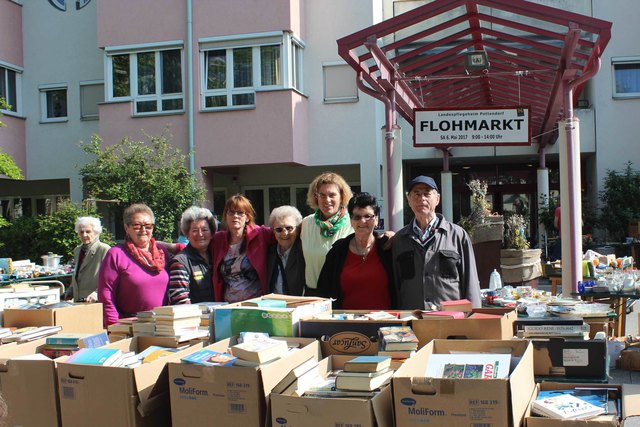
[[418, 58]]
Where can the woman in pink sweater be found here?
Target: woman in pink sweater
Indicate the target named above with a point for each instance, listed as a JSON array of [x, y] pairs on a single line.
[[133, 276]]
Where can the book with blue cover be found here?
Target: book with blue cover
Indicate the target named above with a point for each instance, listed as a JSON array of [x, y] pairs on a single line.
[[79, 339], [210, 358], [595, 396], [96, 356]]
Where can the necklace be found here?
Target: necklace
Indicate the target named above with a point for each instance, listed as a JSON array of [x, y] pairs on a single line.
[[363, 252]]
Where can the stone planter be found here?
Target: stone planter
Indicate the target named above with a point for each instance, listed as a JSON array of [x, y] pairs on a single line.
[[491, 229], [520, 265]]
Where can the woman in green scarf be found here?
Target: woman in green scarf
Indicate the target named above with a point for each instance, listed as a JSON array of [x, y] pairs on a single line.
[[328, 195]]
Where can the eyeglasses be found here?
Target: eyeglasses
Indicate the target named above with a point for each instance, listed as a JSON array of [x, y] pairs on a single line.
[[138, 226], [367, 217], [235, 213], [281, 229]]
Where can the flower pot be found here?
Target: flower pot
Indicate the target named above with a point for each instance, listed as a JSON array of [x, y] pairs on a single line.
[[520, 265], [491, 229]]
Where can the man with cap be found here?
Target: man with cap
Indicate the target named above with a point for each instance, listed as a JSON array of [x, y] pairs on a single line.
[[433, 259]]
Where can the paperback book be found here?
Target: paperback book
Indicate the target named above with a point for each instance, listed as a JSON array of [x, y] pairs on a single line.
[[260, 351], [476, 366], [210, 358], [362, 381], [96, 356], [397, 338], [367, 364], [565, 406]]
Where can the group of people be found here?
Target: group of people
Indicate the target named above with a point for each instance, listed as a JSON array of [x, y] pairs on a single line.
[[335, 252]]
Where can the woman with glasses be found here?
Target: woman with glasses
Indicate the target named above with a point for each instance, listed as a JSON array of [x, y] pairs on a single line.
[[240, 253], [133, 276], [190, 270], [285, 261], [328, 196], [357, 272]]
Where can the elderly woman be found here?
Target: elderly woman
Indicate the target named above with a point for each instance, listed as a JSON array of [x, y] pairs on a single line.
[[87, 259], [240, 253], [190, 270], [133, 276], [328, 195], [285, 261], [358, 272]]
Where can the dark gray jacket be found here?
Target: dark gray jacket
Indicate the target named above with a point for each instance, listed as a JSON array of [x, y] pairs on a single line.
[[443, 269]]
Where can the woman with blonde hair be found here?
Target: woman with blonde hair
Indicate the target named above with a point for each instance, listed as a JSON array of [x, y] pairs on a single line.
[[240, 253], [328, 196]]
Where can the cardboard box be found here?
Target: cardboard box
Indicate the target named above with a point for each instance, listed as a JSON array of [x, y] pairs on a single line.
[[75, 318], [354, 337], [29, 386], [630, 406], [93, 395], [231, 319], [494, 328], [584, 359], [288, 410], [421, 401], [230, 395]]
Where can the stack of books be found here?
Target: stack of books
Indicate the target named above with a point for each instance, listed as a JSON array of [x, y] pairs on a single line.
[[397, 342], [259, 350], [179, 321], [122, 329], [67, 344], [364, 373], [144, 325], [564, 331], [578, 404], [30, 333], [105, 357]]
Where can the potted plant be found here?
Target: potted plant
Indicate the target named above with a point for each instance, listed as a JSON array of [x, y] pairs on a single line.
[[518, 263], [481, 224]]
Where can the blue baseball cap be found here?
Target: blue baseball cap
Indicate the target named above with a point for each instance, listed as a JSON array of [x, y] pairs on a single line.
[[421, 179]]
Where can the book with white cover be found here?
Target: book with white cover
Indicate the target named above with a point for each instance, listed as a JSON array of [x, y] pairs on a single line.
[[556, 330], [468, 365], [565, 406]]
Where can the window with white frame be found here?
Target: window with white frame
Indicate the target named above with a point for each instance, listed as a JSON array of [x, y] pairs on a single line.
[[91, 94], [626, 77], [151, 77], [53, 103], [236, 67], [10, 88], [339, 83]]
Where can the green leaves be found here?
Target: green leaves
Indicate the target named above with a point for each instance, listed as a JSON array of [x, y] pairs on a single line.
[[150, 172], [621, 189]]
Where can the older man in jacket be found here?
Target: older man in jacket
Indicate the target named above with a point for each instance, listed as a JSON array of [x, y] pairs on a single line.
[[433, 258]]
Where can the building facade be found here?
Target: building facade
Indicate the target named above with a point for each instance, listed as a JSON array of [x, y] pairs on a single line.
[[258, 93]]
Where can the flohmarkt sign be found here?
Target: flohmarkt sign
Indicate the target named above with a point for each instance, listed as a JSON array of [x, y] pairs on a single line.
[[471, 127]]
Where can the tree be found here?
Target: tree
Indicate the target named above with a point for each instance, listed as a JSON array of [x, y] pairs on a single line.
[[621, 188], [8, 166], [151, 172]]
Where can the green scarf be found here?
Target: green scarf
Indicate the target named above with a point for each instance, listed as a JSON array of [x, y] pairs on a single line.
[[330, 226]]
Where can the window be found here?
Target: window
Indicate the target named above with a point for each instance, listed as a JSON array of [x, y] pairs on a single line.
[[236, 67], [151, 79], [339, 83], [53, 103], [91, 94], [626, 77], [10, 88]]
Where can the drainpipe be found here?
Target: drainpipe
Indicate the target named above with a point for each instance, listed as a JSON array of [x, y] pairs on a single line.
[[190, 139], [574, 223], [394, 185]]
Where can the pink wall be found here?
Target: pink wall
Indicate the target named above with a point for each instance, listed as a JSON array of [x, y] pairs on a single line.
[[116, 123], [266, 134], [123, 22], [11, 32], [225, 17], [12, 140]]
